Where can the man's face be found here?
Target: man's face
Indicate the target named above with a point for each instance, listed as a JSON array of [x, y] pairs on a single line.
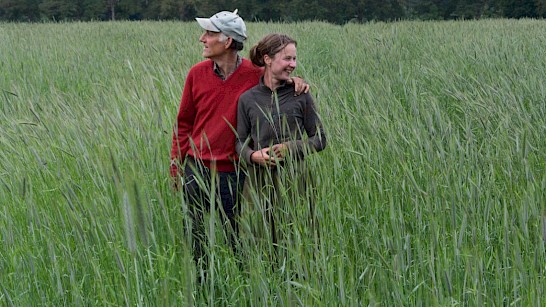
[[213, 47]]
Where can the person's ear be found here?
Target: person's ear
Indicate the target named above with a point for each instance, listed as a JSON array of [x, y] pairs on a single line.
[[228, 42], [267, 60]]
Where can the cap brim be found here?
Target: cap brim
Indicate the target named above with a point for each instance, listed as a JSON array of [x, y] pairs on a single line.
[[206, 24]]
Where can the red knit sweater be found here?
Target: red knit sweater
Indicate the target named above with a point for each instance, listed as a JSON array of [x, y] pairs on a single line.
[[206, 121]]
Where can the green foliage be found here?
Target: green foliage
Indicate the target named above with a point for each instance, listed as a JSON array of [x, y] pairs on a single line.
[[431, 191], [19, 10], [519, 9], [59, 9], [334, 11]]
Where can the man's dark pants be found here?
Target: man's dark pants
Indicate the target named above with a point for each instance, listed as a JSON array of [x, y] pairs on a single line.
[[197, 188]]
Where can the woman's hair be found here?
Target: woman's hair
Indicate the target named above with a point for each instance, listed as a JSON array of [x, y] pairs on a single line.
[[271, 44]]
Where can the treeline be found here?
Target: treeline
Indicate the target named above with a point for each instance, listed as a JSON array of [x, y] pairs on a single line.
[[335, 11]]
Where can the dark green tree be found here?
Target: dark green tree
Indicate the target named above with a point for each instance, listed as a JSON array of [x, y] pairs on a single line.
[[130, 9], [304, 10], [384, 10], [268, 10], [427, 10], [519, 8], [112, 7], [20, 10], [335, 11], [247, 8], [92, 10], [59, 9], [188, 10], [169, 9], [541, 8]]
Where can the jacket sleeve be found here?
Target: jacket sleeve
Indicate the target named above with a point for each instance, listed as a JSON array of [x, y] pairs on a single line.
[[316, 138], [243, 141], [183, 126]]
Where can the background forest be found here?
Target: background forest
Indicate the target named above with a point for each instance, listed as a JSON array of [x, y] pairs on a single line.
[[334, 11]]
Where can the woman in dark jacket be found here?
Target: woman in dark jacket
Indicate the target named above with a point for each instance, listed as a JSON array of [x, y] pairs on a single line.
[[276, 131]]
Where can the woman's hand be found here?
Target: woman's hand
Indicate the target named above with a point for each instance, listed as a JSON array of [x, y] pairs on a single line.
[[269, 156], [280, 150], [261, 157]]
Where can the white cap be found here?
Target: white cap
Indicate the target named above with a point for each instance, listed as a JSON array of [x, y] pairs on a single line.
[[226, 22]]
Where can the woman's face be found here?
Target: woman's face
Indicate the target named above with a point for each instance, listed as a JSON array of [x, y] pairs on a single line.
[[283, 63]]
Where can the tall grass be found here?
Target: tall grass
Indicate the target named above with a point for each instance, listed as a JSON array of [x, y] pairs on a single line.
[[431, 191]]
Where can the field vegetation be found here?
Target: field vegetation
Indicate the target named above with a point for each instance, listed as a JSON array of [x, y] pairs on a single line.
[[432, 190]]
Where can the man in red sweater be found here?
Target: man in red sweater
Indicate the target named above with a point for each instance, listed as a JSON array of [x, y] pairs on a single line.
[[203, 157]]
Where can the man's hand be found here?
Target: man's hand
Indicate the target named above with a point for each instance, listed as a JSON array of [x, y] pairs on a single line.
[[300, 85]]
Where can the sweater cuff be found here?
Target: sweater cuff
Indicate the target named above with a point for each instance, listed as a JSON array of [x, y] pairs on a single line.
[[248, 155]]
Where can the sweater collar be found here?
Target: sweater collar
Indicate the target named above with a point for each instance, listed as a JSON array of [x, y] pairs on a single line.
[[265, 88], [218, 72]]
